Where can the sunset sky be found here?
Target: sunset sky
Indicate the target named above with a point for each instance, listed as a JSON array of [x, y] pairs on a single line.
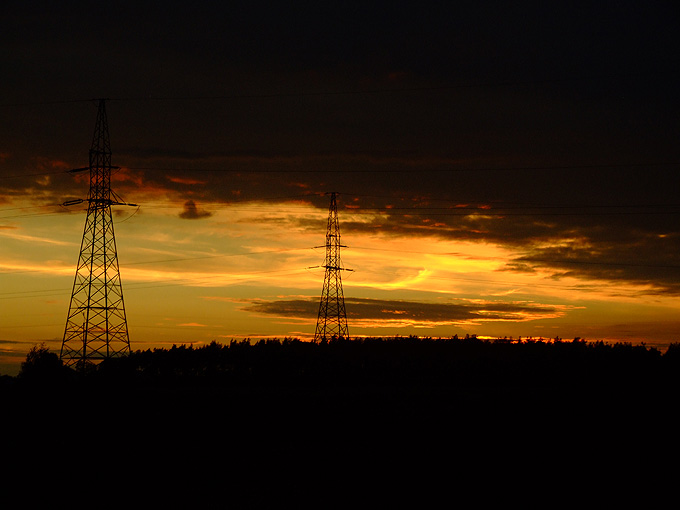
[[502, 169]]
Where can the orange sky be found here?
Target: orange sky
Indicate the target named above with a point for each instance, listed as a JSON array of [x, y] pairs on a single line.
[[501, 171], [241, 270]]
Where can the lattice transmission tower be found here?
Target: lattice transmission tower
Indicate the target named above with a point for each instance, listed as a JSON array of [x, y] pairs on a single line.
[[96, 326], [332, 320]]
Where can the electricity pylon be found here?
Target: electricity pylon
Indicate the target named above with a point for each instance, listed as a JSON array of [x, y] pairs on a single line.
[[332, 320], [96, 327]]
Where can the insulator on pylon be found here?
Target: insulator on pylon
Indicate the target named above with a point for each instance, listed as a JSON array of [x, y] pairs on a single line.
[[96, 326], [332, 319]]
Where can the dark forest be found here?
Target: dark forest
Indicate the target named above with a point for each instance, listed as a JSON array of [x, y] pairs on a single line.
[[293, 404], [403, 362]]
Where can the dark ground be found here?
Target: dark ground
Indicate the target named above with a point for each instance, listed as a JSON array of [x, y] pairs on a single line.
[[538, 415]]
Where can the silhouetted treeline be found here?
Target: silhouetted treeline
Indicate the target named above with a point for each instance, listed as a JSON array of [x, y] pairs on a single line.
[[394, 361], [463, 399]]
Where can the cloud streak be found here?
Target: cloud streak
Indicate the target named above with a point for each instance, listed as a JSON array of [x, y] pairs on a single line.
[[367, 312]]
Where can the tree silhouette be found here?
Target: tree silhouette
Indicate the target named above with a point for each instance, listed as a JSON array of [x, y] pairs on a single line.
[[41, 365]]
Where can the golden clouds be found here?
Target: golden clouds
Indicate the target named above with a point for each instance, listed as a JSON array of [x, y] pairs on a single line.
[[244, 270]]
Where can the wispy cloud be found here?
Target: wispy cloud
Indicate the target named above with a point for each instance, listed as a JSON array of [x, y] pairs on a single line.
[[31, 239]]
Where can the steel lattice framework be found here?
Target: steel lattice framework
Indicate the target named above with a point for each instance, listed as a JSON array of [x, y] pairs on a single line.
[[96, 327], [332, 320]]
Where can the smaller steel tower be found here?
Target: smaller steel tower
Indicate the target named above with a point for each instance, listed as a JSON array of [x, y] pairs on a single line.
[[332, 320]]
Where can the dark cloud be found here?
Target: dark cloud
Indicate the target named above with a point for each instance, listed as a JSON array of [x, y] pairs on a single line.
[[555, 125], [647, 262], [380, 312], [192, 212]]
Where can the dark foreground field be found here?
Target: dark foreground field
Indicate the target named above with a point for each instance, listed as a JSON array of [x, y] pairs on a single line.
[[461, 409]]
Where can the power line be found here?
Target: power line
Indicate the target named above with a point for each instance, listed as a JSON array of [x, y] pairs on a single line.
[[46, 102], [142, 286], [449, 168], [445, 169], [535, 259], [491, 213], [364, 248], [505, 211], [34, 174], [458, 207], [250, 276], [203, 257], [354, 92], [354, 170]]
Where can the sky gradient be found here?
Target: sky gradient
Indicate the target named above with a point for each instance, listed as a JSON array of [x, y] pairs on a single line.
[[501, 170]]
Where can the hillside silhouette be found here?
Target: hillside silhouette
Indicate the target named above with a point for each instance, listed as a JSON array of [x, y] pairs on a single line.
[[407, 361], [359, 363], [400, 365], [308, 405]]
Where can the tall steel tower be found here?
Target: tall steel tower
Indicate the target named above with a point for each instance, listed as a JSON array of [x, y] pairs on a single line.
[[332, 320], [96, 327]]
